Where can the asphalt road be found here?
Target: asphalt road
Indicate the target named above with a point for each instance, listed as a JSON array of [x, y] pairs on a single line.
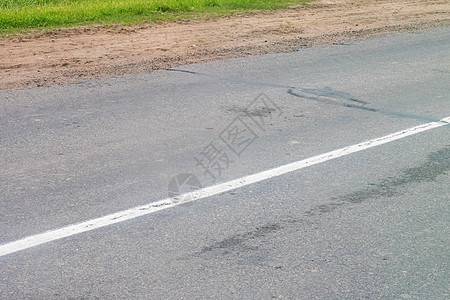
[[372, 224]]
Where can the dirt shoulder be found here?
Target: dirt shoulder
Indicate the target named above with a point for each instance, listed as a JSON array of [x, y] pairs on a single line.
[[70, 55]]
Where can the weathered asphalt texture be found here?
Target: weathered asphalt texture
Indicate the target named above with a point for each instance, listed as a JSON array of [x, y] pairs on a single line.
[[374, 224]]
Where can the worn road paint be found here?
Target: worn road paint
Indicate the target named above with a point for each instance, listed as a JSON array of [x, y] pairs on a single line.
[[52, 235]]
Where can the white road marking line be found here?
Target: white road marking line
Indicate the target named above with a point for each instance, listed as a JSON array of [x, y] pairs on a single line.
[[53, 235]]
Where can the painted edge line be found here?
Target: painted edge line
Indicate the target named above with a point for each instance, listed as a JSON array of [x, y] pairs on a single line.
[[53, 235]]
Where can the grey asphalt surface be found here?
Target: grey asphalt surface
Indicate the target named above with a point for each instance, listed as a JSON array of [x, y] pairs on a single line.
[[370, 225]]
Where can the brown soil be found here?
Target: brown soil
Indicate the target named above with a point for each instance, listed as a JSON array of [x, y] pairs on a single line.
[[68, 55]]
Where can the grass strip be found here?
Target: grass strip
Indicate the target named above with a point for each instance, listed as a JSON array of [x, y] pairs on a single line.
[[22, 15]]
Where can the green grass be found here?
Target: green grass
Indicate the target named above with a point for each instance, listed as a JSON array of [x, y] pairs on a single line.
[[22, 15]]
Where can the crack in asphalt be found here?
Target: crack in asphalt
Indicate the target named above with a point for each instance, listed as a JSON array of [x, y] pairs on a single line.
[[232, 79], [326, 95], [330, 101], [318, 95]]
